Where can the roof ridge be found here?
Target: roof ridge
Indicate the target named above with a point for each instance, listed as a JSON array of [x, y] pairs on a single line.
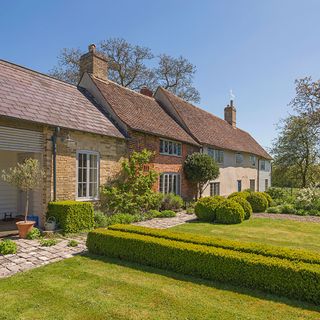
[[37, 73], [122, 87]]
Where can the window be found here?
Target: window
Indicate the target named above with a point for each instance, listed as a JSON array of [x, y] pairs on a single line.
[[169, 183], [252, 185], [216, 154], [215, 189], [87, 175], [263, 165], [266, 184], [239, 158], [253, 160], [170, 147], [239, 183]]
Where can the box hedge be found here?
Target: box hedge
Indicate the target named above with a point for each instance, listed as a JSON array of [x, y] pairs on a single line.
[[282, 277], [72, 216], [248, 247]]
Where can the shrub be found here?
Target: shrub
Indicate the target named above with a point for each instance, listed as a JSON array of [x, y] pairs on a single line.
[[34, 234], [48, 242], [171, 201], [277, 193], [8, 246], [245, 205], [308, 198], [276, 209], [100, 219], [258, 202], [152, 214], [278, 276], [268, 197], [122, 218], [287, 208], [73, 243], [72, 216], [190, 210], [205, 208], [229, 212], [244, 194], [167, 214], [249, 247]]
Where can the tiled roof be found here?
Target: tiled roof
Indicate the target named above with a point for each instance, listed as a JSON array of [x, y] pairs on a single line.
[[211, 130], [140, 112], [29, 95]]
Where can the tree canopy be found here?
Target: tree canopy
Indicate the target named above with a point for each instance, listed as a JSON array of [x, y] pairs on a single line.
[[134, 66]]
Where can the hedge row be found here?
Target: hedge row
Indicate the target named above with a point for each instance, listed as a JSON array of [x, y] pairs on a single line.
[[72, 216], [261, 249], [282, 277]]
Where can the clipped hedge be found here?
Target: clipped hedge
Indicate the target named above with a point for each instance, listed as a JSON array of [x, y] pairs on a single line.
[[258, 201], [282, 277], [72, 216], [205, 208], [248, 247], [229, 212]]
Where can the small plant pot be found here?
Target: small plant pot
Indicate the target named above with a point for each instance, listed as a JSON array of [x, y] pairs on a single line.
[[50, 224], [24, 228]]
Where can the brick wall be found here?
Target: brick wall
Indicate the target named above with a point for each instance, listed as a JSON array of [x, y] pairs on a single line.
[[164, 163]]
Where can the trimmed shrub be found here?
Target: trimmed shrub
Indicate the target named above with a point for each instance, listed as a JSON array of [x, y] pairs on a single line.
[[167, 214], [245, 205], [205, 208], [72, 216], [258, 202], [229, 212], [8, 246], [268, 197], [34, 234], [282, 277], [171, 201], [244, 194], [249, 247]]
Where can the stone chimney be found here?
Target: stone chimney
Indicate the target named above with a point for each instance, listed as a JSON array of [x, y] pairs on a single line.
[[230, 114], [94, 63], [146, 91]]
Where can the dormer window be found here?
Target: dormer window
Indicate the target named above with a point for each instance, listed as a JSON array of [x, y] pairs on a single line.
[[172, 148]]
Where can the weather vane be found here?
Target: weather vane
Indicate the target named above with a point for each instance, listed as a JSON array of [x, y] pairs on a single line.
[[232, 96]]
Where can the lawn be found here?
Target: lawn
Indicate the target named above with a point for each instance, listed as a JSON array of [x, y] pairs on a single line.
[[86, 287], [287, 233]]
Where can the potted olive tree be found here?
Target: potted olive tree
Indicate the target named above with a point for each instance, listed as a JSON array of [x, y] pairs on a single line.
[[26, 177]]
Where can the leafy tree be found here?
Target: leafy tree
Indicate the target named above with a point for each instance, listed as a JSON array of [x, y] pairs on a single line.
[[129, 66], [296, 151], [200, 168], [25, 176]]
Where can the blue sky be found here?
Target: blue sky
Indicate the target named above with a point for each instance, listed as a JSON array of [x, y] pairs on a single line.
[[256, 48]]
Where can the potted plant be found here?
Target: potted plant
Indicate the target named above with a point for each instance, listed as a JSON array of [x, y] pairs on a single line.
[[26, 177]]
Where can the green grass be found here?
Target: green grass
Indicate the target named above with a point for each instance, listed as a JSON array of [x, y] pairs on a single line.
[[87, 287], [287, 233]]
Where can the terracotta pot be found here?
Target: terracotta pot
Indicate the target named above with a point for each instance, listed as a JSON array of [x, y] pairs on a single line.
[[24, 228]]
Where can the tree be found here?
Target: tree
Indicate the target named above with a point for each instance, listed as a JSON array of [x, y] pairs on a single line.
[[200, 168], [129, 66], [296, 151], [25, 176]]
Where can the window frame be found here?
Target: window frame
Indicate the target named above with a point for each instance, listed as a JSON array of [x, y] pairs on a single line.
[[236, 157], [253, 160], [264, 165], [176, 147], [215, 154], [254, 184], [172, 175], [87, 198], [266, 184], [212, 189], [239, 183]]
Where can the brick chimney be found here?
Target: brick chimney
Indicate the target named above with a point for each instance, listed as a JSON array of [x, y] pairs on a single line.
[[94, 63], [146, 91], [230, 114]]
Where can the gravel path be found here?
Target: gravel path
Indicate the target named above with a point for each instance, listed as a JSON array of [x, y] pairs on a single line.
[[293, 217]]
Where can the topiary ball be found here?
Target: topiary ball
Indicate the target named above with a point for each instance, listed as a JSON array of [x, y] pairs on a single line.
[[205, 208], [243, 194], [245, 205], [258, 201], [268, 197], [229, 212]]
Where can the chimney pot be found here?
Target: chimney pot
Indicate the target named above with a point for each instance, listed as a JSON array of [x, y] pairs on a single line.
[[92, 47], [230, 114], [146, 91]]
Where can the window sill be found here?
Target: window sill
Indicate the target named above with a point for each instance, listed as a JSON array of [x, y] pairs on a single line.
[[170, 155], [87, 199]]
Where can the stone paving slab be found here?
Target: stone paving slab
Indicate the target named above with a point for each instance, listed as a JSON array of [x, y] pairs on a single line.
[[164, 223], [31, 255]]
